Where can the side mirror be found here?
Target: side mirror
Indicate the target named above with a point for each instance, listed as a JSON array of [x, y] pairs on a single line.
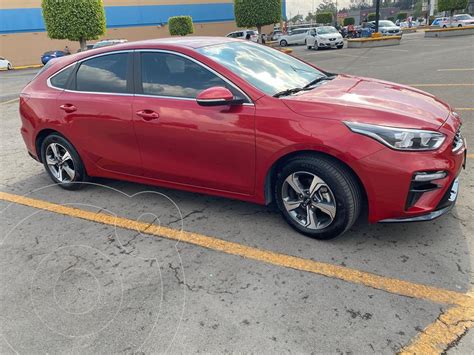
[[217, 96]]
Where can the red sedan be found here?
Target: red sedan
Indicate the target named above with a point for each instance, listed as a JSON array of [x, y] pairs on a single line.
[[241, 120]]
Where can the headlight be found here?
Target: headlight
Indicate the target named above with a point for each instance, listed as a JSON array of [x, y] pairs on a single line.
[[400, 138]]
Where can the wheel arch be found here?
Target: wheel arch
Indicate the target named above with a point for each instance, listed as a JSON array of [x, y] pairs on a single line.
[[41, 136], [272, 172]]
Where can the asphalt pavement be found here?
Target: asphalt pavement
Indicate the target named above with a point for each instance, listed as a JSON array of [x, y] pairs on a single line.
[[123, 267]]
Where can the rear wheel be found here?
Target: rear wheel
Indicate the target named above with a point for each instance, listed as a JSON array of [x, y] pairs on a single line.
[[317, 196], [62, 162], [283, 43]]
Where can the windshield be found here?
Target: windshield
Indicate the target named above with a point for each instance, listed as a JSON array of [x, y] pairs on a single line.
[[326, 30], [463, 17], [267, 69], [386, 24]]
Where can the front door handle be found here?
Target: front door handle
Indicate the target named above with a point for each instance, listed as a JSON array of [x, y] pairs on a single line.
[[68, 108], [148, 115]]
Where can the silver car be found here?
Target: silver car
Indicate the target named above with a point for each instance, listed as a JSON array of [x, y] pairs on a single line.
[[386, 28]]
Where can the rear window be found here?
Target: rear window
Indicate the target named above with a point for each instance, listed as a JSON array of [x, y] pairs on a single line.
[[60, 80]]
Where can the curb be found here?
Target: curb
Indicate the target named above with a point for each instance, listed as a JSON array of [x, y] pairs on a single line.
[[27, 66]]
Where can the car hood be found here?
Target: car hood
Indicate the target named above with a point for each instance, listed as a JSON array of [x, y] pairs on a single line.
[[371, 101], [330, 35]]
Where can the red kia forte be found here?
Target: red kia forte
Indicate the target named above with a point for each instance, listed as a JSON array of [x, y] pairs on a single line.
[[241, 120]]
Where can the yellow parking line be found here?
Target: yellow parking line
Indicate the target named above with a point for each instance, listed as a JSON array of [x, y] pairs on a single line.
[[9, 101], [395, 286], [470, 155], [447, 328], [438, 85], [457, 69], [464, 109]]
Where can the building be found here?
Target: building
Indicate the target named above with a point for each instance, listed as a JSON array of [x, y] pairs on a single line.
[[23, 38]]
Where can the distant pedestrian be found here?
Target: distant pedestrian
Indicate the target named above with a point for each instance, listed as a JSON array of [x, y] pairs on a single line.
[[67, 50]]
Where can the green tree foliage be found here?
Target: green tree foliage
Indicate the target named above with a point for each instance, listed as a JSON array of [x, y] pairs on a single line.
[[257, 13], [452, 5], [180, 25], [324, 17], [391, 18], [402, 16], [296, 18], [371, 16], [75, 20], [349, 21], [310, 17]]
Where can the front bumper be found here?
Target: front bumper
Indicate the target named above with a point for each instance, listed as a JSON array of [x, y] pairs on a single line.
[[446, 204], [330, 44]]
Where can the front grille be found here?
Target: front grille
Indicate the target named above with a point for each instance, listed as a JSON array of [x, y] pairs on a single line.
[[332, 39], [458, 141]]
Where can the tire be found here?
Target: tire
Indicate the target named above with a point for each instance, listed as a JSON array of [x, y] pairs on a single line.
[[309, 47], [444, 26], [283, 43], [316, 46], [9, 66], [334, 206], [459, 25], [70, 173], [340, 47]]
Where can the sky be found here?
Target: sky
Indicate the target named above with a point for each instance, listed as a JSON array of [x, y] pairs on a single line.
[[293, 7]]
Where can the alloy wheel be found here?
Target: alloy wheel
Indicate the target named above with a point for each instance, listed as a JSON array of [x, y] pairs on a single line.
[[308, 200], [60, 162]]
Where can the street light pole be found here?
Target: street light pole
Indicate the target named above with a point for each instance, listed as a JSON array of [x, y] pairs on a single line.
[[377, 15]]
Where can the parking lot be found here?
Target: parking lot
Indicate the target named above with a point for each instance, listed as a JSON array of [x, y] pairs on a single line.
[[122, 267]]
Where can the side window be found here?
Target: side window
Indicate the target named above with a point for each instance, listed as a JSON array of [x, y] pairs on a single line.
[[313, 33], [165, 74], [60, 80], [239, 34], [107, 73]]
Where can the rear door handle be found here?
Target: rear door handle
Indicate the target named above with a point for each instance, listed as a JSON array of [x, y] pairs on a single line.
[[148, 115], [68, 108]]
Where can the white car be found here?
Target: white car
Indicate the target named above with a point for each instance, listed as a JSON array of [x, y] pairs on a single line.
[[5, 64], [296, 36], [242, 34], [460, 20], [324, 37]]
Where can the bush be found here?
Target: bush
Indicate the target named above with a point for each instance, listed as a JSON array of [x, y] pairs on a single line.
[[180, 25], [324, 17], [402, 16], [349, 21], [75, 20], [391, 18], [371, 17]]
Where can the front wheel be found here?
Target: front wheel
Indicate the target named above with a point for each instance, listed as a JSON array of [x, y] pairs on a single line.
[[9, 66], [62, 162], [318, 196], [283, 43], [340, 47], [309, 47]]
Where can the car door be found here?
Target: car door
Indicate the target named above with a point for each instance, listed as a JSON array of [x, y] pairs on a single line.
[[183, 142], [98, 109], [311, 37]]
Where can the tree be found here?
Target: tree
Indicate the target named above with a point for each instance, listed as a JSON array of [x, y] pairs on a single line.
[[371, 16], [180, 25], [324, 17], [402, 16], [310, 17], [257, 13], [296, 18], [452, 5], [75, 20], [349, 21]]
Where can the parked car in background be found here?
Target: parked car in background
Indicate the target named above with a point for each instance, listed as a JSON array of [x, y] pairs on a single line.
[[275, 35], [436, 22], [108, 42], [296, 36], [47, 56], [460, 20], [88, 47], [5, 64], [386, 28], [243, 34], [324, 37]]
